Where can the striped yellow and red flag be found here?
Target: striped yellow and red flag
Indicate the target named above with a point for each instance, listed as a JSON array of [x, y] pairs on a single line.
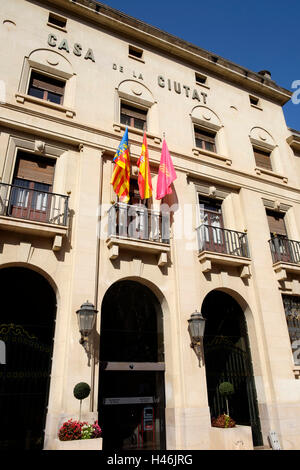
[[121, 175], [144, 178]]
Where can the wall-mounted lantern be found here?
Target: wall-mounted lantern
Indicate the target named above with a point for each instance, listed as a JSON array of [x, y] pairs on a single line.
[[196, 330], [86, 316]]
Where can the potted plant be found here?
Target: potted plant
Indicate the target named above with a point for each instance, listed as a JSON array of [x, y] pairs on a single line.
[[226, 389], [224, 420], [81, 391], [79, 435], [226, 434]]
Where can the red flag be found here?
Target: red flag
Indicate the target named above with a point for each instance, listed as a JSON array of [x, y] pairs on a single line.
[[166, 173]]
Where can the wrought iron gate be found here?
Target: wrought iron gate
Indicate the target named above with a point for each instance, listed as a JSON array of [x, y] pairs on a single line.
[[226, 362], [228, 359]]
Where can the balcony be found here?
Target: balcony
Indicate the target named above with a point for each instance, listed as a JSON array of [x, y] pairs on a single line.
[[138, 229], [34, 211], [223, 247], [285, 255]]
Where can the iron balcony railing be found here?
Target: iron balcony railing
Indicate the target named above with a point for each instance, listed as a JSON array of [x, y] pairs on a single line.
[[285, 250], [32, 204], [138, 222], [221, 240]]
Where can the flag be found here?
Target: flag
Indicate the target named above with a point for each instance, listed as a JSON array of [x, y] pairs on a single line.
[[144, 178], [121, 174], [166, 173]]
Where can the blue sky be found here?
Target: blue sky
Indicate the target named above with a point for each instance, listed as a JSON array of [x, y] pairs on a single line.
[[259, 35]]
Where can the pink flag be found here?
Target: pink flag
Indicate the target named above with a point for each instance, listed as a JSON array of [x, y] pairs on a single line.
[[166, 173]]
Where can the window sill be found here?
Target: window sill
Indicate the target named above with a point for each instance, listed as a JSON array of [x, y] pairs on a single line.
[[136, 58], [220, 158], [116, 243], [57, 27], [208, 259], [120, 127], [30, 227], [282, 269], [22, 98], [203, 85], [263, 171], [256, 107]]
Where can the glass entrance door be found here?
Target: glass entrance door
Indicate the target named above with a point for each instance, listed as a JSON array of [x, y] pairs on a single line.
[[131, 379], [132, 410]]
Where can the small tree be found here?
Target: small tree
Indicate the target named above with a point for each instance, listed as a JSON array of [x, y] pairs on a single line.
[[226, 389], [81, 391]]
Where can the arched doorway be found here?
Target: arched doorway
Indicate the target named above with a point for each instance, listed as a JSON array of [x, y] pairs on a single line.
[[228, 359], [28, 309], [131, 382]]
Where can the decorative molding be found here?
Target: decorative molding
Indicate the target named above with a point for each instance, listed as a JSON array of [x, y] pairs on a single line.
[[39, 146], [270, 174], [137, 267], [115, 244], [275, 205], [206, 188], [23, 98], [208, 259]]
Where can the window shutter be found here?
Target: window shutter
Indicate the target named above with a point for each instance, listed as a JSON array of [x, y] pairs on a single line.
[[205, 139], [204, 135], [133, 112], [47, 83], [40, 170], [263, 159], [276, 223]]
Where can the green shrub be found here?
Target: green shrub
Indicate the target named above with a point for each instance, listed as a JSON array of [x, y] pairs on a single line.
[[81, 390], [226, 388]]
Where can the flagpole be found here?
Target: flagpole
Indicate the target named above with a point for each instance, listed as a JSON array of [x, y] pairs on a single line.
[[164, 136]]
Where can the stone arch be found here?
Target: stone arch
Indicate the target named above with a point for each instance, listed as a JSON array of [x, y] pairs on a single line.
[[27, 327], [53, 63], [137, 94], [135, 90], [37, 269], [47, 58], [238, 298], [228, 358], [261, 136], [205, 119], [131, 363], [206, 116], [132, 295]]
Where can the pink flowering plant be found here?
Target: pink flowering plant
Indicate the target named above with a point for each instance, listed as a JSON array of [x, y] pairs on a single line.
[[75, 430]]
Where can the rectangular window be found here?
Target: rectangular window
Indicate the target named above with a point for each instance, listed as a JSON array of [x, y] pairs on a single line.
[[46, 88], [135, 52], [276, 223], [32, 183], [253, 100], [134, 192], [262, 159], [212, 233], [134, 117], [32, 168], [281, 247], [201, 79], [205, 139], [292, 312], [56, 20]]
